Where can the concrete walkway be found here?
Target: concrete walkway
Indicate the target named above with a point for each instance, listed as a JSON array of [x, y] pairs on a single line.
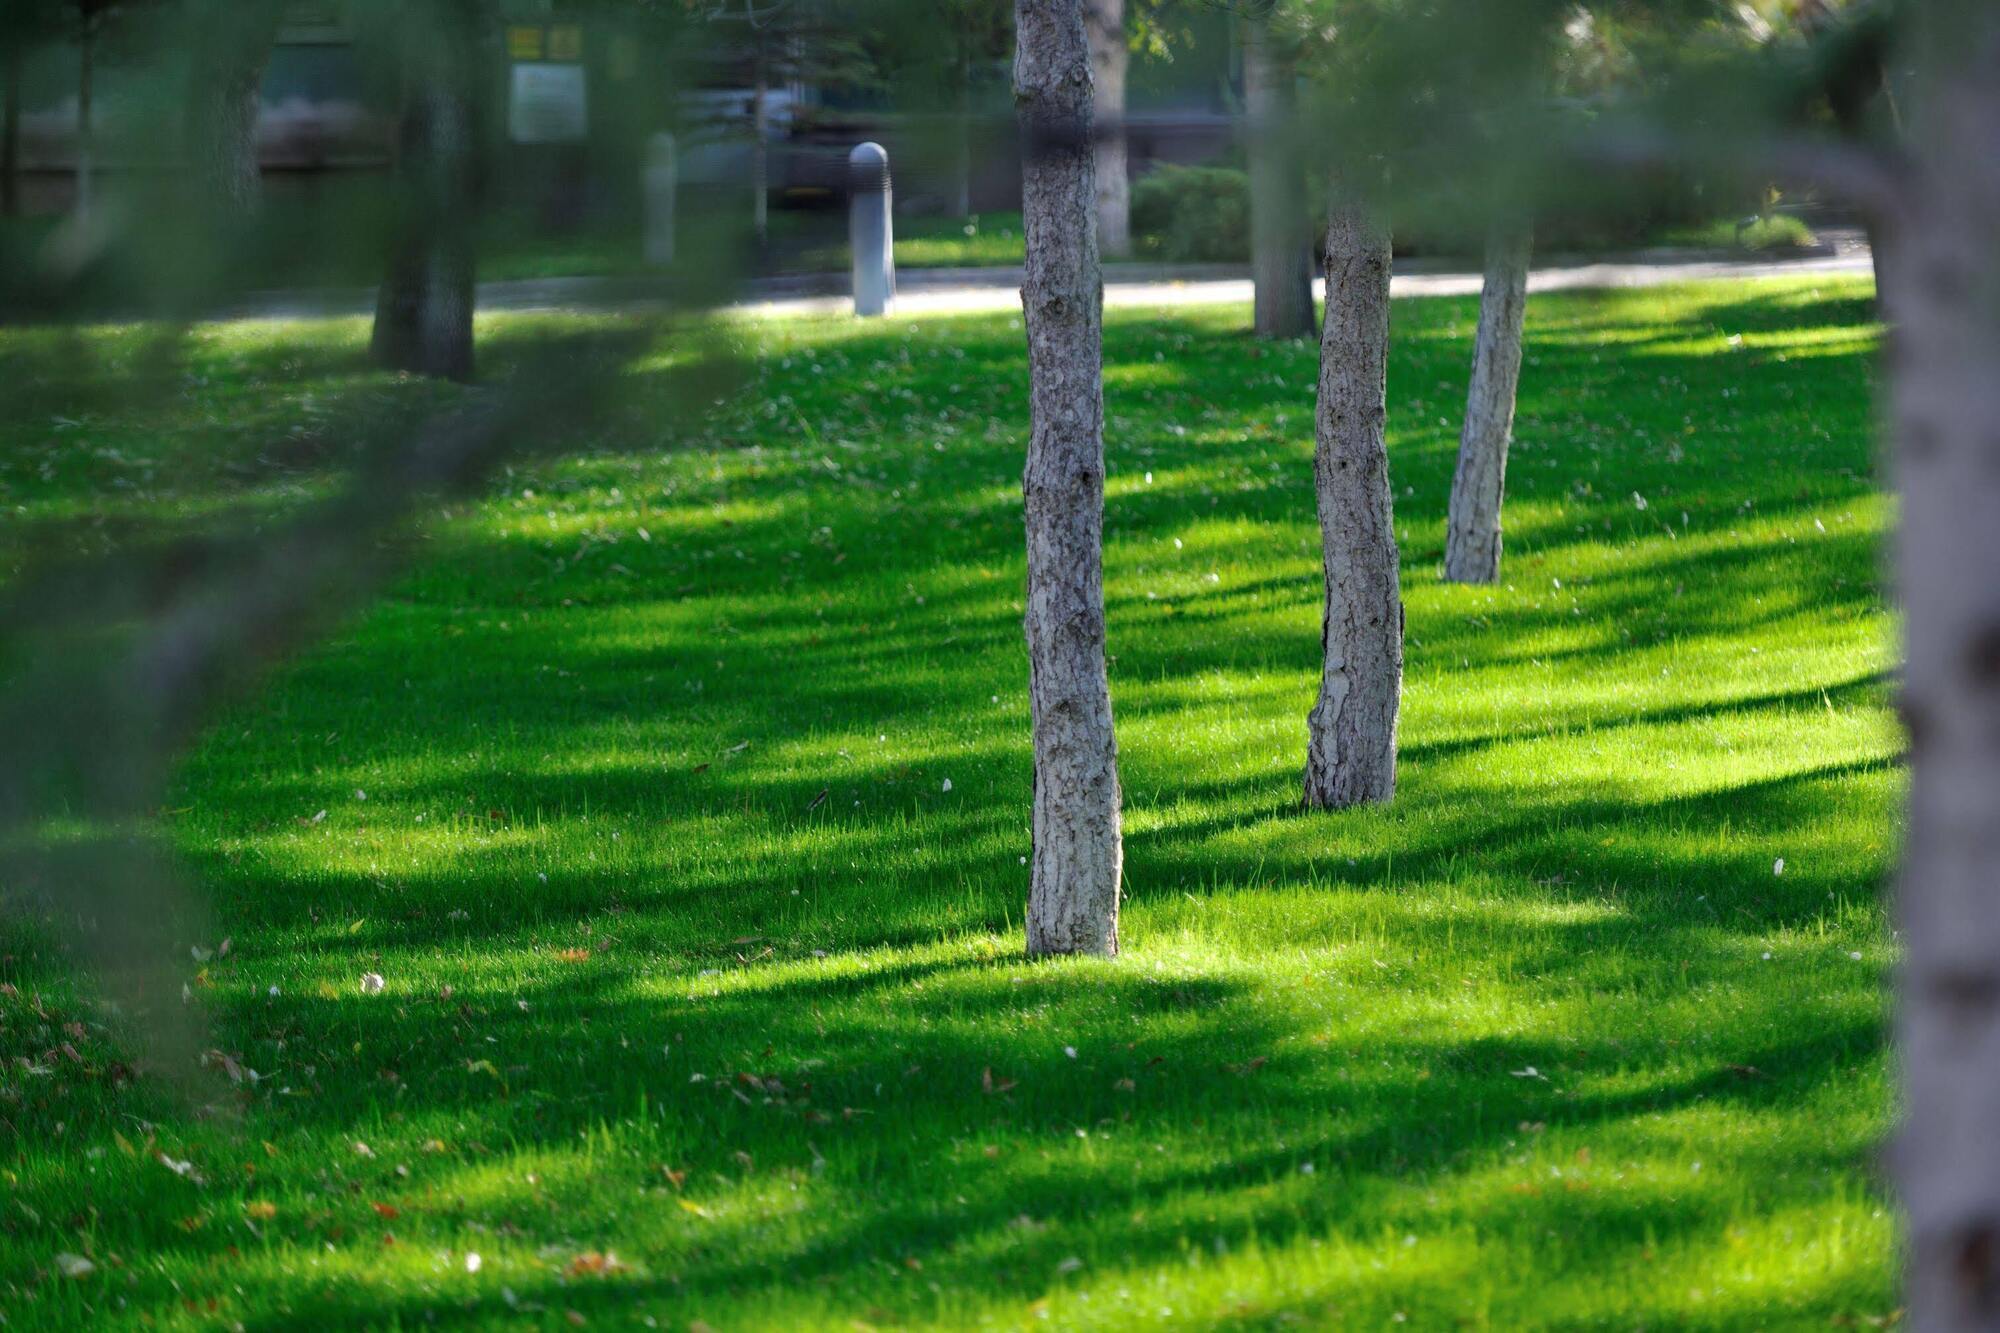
[[967, 290]]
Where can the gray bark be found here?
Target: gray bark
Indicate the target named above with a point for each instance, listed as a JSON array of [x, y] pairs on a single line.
[[1104, 20], [1472, 526], [1943, 301], [1078, 854], [1351, 744], [1280, 239]]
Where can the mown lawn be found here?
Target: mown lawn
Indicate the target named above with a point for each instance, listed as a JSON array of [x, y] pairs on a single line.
[[1585, 1031]]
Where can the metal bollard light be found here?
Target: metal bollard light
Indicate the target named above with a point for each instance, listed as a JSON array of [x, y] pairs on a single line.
[[660, 179], [868, 231]]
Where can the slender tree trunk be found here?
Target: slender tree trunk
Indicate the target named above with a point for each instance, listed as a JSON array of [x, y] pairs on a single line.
[[760, 153], [1472, 527], [224, 100], [423, 312], [1280, 240], [1351, 746], [1943, 298], [961, 167], [1104, 21], [1078, 853], [10, 138], [86, 79]]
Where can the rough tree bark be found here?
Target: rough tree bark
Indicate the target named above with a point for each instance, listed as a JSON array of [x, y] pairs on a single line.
[[1472, 526], [1280, 239], [423, 312], [1943, 300], [1078, 853], [1351, 743], [1104, 20]]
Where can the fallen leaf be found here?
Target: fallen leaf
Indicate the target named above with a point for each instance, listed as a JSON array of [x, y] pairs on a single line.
[[388, 1212], [262, 1210], [594, 1263]]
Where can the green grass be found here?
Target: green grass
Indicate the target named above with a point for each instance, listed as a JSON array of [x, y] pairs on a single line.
[[1545, 1044]]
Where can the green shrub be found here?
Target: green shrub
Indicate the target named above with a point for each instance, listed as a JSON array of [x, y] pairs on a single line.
[[1776, 231], [1192, 214]]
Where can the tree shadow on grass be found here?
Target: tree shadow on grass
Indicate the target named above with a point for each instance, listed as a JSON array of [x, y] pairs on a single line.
[[902, 1092]]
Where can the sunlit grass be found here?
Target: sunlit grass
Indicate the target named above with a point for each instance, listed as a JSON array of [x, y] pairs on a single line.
[[634, 795]]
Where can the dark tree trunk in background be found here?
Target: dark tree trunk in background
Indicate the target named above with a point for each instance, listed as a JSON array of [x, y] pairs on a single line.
[[1351, 742], [1943, 306], [10, 136], [760, 150], [1104, 22], [423, 312], [961, 167], [1280, 238], [224, 99], [1078, 852], [86, 79], [1472, 526]]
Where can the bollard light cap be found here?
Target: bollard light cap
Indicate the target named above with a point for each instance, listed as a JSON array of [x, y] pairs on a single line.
[[868, 167]]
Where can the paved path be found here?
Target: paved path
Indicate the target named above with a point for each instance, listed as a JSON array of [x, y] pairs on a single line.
[[948, 291]]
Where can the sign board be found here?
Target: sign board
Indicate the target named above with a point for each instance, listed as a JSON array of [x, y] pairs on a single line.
[[524, 43], [548, 104], [566, 42]]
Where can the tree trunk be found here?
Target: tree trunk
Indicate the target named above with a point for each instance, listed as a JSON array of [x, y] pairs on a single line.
[[1073, 888], [760, 154], [423, 313], [224, 100], [10, 138], [85, 89], [1943, 299], [1472, 527], [1280, 240], [1104, 20], [1351, 746], [961, 167]]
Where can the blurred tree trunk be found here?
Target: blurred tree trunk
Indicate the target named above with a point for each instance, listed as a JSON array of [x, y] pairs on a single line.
[[86, 80], [1472, 526], [1078, 853], [1943, 306], [234, 42], [1351, 744], [1280, 239], [10, 137], [760, 148], [1104, 20], [423, 312], [961, 167]]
